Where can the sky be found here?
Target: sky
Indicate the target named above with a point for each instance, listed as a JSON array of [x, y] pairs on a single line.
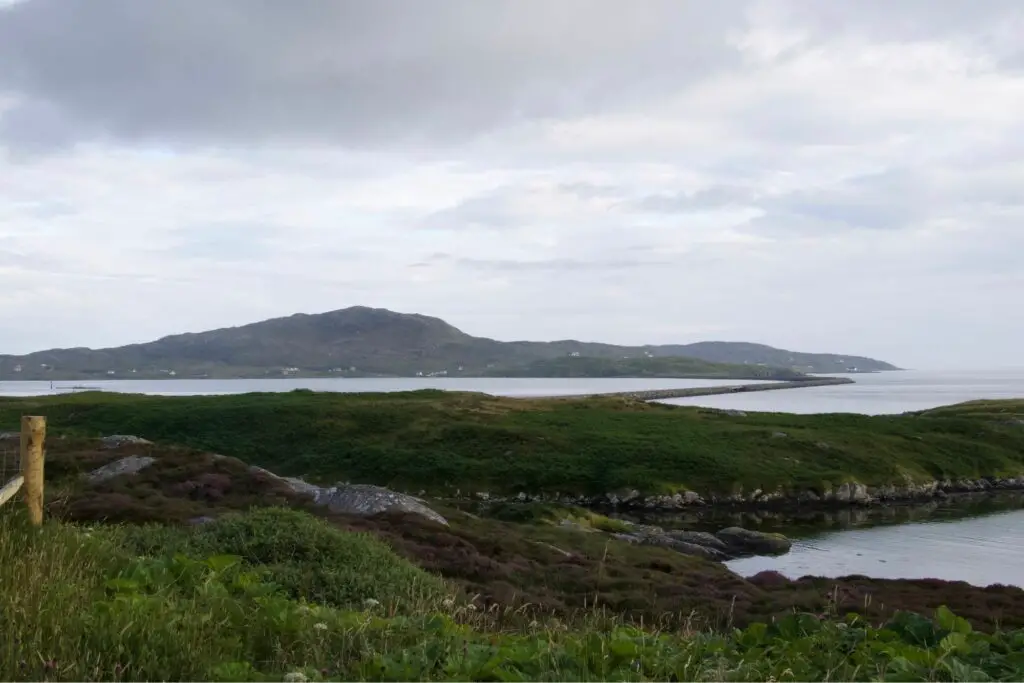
[[820, 176]]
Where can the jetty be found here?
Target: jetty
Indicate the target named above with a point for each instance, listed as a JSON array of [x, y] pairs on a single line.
[[660, 394]]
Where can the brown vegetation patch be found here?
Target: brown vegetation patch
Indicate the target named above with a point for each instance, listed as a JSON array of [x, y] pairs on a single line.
[[555, 570], [182, 484]]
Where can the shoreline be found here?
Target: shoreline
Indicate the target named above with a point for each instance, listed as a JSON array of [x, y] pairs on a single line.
[[687, 392], [845, 496]]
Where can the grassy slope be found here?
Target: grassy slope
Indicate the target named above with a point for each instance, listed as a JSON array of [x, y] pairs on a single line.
[[522, 561], [643, 367], [439, 441], [262, 593], [111, 603]]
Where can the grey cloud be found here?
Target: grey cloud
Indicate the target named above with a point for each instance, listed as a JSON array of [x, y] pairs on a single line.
[[585, 190], [880, 201], [34, 127], [907, 19], [717, 196], [360, 73], [555, 264], [491, 210]]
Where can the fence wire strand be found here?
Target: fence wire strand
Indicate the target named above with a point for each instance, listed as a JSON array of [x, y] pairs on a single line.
[[10, 457]]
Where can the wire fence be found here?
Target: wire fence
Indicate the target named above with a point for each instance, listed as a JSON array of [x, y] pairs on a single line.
[[10, 456], [22, 455]]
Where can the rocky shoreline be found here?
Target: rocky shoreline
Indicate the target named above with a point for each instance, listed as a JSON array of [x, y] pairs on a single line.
[[727, 544], [850, 494]]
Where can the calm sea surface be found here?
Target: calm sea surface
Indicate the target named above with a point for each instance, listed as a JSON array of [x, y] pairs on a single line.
[[496, 386], [981, 550], [889, 392], [876, 394], [979, 545]]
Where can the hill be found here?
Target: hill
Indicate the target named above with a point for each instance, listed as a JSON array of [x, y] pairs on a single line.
[[362, 341]]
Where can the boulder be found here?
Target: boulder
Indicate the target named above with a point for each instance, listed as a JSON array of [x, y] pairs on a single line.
[[366, 500], [362, 500], [692, 498], [742, 541], [666, 541], [130, 465], [632, 539], [701, 538], [852, 493], [118, 440]]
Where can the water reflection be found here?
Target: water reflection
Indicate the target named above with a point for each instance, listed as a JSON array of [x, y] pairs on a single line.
[[982, 551], [803, 523]]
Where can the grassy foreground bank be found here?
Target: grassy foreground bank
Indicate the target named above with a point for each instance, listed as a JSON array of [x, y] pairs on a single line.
[[278, 594], [440, 441]]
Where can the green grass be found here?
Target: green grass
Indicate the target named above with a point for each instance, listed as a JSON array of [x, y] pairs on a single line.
[[443, 442], [305, 556], [93, 604]]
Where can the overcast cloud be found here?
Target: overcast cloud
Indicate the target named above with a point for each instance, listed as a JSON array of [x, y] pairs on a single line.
[[824, 176]]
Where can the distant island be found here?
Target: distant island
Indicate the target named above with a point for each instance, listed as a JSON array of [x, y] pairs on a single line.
[[373, 342]]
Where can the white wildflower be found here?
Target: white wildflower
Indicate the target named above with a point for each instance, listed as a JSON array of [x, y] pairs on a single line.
[[370, 603], [295, 677], [320, 626]]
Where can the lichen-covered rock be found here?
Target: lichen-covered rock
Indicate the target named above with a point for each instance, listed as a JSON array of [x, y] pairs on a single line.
[[366, 500], [746, 541], [701, 538], [852, 492], [130, 465], [363, 500], [118, 440], [632, 539], [666, 541]]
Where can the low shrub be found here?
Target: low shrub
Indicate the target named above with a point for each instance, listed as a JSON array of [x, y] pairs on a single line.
[[308, 557], [77, 604]]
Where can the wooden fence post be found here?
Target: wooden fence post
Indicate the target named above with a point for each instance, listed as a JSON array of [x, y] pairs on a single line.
[[33, 436]]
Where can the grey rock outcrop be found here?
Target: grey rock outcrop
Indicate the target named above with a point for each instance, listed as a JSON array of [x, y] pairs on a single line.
[[130, 465], [363, 500], [701, 538], [666, 541], [118, 440], [745, 541]]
